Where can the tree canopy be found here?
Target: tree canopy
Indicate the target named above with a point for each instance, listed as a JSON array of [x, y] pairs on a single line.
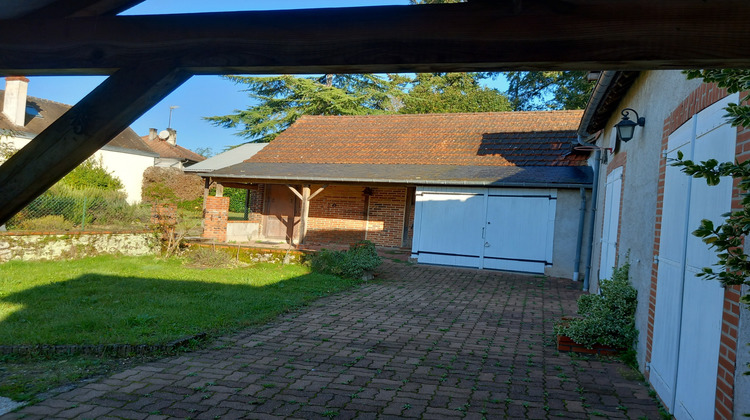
[[280, 100], [533, 90]]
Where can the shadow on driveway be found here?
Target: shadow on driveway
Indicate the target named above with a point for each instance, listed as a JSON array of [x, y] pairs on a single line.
[[420, 342]]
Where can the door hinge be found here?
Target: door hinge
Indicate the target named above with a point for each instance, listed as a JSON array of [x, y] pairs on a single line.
[[656, 259]]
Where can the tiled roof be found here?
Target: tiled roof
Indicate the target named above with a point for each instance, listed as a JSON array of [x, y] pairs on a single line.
[[49, 111], [167, 150], [536, 138]]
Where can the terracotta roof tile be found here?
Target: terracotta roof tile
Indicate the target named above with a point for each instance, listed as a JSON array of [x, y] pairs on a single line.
[[537, 138], [49, 111], [167, 150]]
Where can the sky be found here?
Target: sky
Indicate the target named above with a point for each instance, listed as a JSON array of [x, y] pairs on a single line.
[[201, 96]]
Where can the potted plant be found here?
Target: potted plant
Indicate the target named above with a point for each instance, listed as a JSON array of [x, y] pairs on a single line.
[[605, 322]]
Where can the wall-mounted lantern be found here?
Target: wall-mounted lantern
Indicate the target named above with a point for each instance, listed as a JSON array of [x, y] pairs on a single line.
[[626, 127]]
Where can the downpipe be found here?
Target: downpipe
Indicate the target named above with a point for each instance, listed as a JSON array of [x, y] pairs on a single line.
[[579, 241]]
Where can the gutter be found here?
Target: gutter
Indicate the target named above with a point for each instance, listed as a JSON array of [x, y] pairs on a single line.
[[325, 180]]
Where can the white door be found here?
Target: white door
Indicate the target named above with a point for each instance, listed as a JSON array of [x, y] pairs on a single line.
[[613, 190], [687, 321], [506, 229], [518, 229], [448, 226]]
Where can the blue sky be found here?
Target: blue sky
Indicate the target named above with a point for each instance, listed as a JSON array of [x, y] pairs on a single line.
[[200, 96]]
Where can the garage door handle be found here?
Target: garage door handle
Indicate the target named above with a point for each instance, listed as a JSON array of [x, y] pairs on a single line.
[[482, 233]]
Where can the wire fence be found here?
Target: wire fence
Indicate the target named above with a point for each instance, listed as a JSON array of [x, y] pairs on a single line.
[[80, 210]]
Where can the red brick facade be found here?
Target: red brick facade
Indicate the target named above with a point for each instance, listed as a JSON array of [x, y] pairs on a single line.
[[215, 218], [343, 214], [701, 98]]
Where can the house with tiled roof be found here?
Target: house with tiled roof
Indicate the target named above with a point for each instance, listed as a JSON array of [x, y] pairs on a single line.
[[499, 190], [171, 155], [23, 117], [693, 332]]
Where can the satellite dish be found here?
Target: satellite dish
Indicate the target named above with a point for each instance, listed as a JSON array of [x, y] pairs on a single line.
[[164, 134]]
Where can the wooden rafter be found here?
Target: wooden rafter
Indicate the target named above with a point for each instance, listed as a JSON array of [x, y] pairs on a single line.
[[12, 9], [83, 130], [542, 34]]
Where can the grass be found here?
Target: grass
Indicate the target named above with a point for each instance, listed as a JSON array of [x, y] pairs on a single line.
[[133, 300], [145, 300]]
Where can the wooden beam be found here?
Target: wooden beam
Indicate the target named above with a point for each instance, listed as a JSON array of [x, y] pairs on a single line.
[[12, 9], [533, 34], [294, 190], [77, 134], [84, 8]]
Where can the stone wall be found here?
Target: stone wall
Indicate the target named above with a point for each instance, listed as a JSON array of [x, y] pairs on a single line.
[[55, 245]]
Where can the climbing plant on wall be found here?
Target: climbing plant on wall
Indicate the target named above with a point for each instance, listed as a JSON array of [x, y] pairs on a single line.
[[728, 237]]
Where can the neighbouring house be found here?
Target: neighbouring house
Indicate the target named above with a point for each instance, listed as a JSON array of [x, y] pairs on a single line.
[[23, 117], [500, 190], [693, 333], [171, 155]]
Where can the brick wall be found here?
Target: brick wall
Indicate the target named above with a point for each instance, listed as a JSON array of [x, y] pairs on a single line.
[[386, 216], [339, 215], [701, 98], [215, 218], [257, 194]]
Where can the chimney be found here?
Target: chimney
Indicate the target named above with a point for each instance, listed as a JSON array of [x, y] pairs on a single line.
[[152, 134], [14, 105], [172, 139]]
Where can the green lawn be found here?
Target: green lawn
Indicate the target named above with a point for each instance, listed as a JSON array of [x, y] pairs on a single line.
[[145, 300], [132, 300]]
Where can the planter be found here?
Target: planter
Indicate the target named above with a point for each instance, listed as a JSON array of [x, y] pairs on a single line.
[[564, 343]]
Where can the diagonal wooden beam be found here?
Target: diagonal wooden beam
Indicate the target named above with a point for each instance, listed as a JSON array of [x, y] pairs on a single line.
[[89, 125], [533, 34], [83, 8], [12, 9]]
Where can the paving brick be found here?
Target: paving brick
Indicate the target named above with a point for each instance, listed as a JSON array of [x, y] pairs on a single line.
[[422, 343]]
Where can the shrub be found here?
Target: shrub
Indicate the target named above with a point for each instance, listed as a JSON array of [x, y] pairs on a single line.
[[607, 319], [208, 257], [183, 187], [353, 263], [91, 174], [51, 222]]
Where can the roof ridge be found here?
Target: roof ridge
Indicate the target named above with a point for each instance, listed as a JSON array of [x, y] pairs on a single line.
[[436, 114]]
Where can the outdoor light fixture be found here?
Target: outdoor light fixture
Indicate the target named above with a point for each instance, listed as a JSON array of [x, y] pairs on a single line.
[[626, 127]]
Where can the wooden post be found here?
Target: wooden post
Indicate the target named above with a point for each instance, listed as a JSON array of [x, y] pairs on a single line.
[[247, 204], [305, 212]]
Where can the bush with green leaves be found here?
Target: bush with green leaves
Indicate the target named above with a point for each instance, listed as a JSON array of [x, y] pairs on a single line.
[[361, 257], [92, 174], [607, 319]]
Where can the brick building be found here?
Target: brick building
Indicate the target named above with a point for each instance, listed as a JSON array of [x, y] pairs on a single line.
[[418, 181]]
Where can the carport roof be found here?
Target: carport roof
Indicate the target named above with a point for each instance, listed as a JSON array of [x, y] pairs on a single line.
[[495, 176]]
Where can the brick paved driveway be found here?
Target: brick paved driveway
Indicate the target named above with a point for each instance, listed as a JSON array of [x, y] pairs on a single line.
[[421, 342]]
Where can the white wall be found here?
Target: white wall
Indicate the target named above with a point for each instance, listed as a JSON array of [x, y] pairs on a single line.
[[128, 167], [566, 234], [654, 95]]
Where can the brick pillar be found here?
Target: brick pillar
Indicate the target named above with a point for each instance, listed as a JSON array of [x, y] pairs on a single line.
[[216, 218]]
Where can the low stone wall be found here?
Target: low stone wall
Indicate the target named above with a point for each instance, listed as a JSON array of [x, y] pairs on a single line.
[[242, 231], [33, 246]]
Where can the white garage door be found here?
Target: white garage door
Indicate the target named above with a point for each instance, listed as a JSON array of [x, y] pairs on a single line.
[[497, 228], [687, 320]]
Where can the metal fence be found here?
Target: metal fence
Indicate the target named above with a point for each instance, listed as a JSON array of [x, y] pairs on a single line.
[[79, 211]]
